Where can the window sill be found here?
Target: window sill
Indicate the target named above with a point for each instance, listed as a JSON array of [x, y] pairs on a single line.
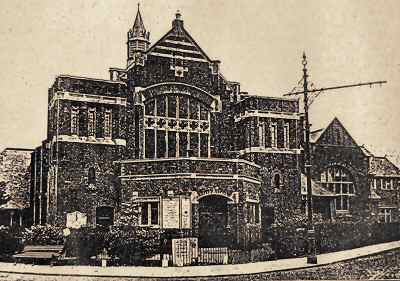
[[343, 213], [149, 226]]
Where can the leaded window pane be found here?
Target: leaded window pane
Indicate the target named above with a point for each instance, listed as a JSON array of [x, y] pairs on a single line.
[[161, 105], [172, 144], [150, 145], [160, 144], [183, 106], [171, 106]]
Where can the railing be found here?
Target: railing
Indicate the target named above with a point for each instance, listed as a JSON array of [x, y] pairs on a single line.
[[213, 255]]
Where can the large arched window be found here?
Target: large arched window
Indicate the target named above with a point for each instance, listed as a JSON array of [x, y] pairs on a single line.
[[176, 125], [338, 180]]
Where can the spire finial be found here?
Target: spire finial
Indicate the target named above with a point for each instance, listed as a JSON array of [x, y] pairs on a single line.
[[304, 62], [178, 15]]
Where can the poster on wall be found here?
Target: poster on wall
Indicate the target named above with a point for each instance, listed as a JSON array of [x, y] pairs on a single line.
[[76, 220], [170, 212], [176, 212]]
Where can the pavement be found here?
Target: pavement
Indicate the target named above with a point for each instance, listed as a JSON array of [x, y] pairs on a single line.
[[197, 271]]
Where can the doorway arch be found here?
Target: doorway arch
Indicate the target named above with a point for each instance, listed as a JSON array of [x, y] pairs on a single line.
[[213, 221]]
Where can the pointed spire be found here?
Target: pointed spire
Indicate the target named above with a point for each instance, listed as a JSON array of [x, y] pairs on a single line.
[[138, 29], [138, 38]]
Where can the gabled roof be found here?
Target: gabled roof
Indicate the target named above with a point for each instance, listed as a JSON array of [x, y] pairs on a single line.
[[317, 190], [314, 135], [321, 134], [178, 42], [382, 166], [366, 151]]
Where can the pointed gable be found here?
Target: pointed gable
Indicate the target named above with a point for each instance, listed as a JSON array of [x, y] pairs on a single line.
[[178, 43], [335, 134]]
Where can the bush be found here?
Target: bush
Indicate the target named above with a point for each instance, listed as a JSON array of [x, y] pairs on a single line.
[[43, 235], [130, 244], [10, 242], [332, 236]]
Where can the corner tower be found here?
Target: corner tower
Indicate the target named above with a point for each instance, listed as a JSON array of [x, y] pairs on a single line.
[[138, 39]]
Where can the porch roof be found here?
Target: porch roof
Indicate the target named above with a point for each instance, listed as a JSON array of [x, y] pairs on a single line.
[[317, 189]]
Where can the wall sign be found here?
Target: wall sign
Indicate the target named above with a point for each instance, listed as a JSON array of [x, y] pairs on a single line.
[[76, 220], [184, 250], [176, 212]]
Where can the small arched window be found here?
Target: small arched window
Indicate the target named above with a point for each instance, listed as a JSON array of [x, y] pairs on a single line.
[[277, 182], [92, 176]]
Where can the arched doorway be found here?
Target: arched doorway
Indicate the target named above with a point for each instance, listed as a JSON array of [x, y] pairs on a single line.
[[213, 221]]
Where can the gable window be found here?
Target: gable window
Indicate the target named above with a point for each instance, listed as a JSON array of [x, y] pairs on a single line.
[[107, 124], [339, 181], [74, 121], [337, 136], [149, 213], [273, 134], [180, 127], [286, 136]]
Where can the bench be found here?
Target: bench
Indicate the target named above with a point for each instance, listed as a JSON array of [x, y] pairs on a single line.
[[41, 253]]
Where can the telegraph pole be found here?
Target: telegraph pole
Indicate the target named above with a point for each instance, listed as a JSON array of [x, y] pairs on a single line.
[[311, 251]]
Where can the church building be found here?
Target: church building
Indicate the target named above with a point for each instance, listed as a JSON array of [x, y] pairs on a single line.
[[168, 142]]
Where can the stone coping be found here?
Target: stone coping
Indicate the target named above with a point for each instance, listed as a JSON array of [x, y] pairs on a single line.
[[231, 160], [197, 271]]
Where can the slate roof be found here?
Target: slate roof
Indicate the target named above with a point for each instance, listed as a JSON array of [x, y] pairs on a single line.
[[314, 135], [381, 166], [317, 189]]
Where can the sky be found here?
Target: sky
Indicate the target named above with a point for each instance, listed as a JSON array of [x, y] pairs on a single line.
[[260, 44]]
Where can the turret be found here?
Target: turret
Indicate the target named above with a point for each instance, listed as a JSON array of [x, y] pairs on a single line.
[[138, 39]]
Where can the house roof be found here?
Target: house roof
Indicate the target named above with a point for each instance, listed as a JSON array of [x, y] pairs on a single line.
[[178, 40], [314, 135], [317, 189], [366, 151], [381, 166]]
